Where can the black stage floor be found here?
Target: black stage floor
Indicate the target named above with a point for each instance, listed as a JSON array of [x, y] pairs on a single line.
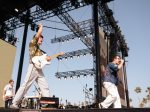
[[78, 110]]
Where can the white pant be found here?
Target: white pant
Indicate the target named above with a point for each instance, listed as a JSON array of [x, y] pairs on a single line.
[[113, 96], [33, 74]]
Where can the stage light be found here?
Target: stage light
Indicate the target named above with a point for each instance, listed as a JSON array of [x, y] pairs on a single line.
[[71, 77], [67, 40], [85, 75], [78, 76], [90, 89], [16, 10], [59, 78], [12, 40], [91, 35], [84, 54], [66, 58], [75, 3], [91, 74], [71, 57], [65, 77]]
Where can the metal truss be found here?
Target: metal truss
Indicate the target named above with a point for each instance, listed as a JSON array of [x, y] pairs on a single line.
[[106, 20], [77, 53], [75, 28], [76, 73], [38, 14], [86, 26], [72, 36], [109, 25]]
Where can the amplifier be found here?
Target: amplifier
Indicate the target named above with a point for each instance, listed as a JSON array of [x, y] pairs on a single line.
[[49, 102]]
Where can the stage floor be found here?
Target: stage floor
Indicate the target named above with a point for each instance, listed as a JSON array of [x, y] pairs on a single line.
[[78, 110]]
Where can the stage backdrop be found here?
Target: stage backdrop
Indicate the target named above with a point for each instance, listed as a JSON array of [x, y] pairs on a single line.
[[7, 56]]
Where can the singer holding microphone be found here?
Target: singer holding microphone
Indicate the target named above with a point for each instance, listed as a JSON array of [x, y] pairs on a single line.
[[110, 82]]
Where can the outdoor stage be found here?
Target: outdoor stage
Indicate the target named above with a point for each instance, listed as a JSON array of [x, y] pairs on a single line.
[[78, 110]]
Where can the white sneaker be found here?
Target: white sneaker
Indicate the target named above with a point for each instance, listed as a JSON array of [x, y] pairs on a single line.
[[14, 106], [100, 105]]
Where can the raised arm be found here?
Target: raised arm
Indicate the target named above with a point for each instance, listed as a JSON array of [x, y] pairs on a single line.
[[39, 32], [121, 63]]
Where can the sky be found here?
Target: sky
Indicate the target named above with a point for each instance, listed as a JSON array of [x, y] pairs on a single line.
[[133, 20]]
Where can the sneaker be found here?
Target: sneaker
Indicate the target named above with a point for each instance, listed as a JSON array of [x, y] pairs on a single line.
[[100, 105], [14, 106]]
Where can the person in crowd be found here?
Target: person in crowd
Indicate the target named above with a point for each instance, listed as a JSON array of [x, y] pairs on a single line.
[[8, 93]]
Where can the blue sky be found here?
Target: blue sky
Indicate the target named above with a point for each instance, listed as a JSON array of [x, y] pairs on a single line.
[[133, 19]]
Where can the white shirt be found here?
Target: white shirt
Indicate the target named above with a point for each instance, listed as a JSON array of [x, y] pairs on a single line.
[[9, 90]]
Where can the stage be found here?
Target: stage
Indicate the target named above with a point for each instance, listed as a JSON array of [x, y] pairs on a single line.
[[78, 110]]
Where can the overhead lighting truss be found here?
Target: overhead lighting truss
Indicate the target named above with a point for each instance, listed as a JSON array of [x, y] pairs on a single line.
[[75, 28], [77, 53], [110, 26], [38, 14], [77, 73], [86, 26]]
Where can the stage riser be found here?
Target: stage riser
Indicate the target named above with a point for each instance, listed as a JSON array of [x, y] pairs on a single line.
[[79, 110]]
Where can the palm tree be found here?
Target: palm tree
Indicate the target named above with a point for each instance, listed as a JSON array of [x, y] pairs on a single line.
[[148, 95], [130, 100], [138, 90], [144, 101]]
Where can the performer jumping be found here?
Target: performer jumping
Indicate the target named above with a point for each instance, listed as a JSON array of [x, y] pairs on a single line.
[[34, 73]]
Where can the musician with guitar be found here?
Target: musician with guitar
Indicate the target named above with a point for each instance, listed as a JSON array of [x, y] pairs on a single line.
[[37, 60], [8, 93]]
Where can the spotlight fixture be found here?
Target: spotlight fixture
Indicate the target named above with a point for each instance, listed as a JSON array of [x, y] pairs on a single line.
[[71, 77], [76, 73], [65, 77], [16, 10], [78, 76]]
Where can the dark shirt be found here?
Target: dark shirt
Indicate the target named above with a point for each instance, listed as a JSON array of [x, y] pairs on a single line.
[[111, 74]]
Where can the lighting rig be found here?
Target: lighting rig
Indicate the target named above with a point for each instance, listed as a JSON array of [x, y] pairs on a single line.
[[111, 29], [87, 26], [39, 13], [77, 73], [77, 53], [7, 36]]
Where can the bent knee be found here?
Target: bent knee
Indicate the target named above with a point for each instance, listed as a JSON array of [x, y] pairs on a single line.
[[114, 98]]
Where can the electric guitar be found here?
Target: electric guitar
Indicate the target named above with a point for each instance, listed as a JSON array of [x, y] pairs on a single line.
[[40, 61]]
